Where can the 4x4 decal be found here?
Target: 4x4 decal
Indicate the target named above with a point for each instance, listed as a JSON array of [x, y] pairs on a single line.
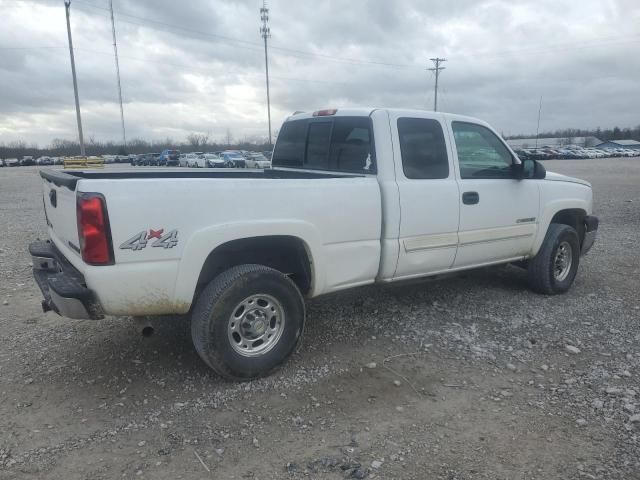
[[142, 239]]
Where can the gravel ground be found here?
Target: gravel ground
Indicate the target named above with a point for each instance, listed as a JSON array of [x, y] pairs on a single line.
[[468, 377]]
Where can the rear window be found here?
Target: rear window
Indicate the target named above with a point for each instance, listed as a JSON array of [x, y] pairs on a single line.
[[337, 143]]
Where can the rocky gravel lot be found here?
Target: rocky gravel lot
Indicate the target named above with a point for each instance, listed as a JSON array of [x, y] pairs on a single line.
[[468, 377]]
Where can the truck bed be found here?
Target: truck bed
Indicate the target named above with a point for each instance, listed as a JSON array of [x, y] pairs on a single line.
[[69, 178], [338, 217]]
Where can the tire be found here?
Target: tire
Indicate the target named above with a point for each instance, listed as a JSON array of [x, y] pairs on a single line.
[[225, 301], [544, 272]]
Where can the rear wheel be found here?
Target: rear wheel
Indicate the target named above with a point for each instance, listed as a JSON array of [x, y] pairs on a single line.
[[554, 268], [247, 321]]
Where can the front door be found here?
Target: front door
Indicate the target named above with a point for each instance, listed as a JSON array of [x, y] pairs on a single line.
[[429, 196], [498, 212]]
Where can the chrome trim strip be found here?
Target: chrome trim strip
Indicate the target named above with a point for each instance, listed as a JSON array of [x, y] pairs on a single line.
[[428, 242], [497, 234]]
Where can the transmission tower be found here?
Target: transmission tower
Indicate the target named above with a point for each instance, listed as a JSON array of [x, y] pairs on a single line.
[[265, 32], [436, 61]]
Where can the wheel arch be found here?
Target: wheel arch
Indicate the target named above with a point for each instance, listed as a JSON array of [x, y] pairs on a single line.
[[290, 248], [571, 213], [285, 253]]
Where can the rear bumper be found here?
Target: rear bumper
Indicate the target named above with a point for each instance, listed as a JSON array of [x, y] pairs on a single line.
[[590, 232], [62, 286]]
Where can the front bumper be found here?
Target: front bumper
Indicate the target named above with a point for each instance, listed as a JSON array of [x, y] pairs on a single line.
[[62, 286], [590, 232]]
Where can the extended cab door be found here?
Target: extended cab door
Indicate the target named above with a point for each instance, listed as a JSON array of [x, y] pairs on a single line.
[[429, 196], [498, 212]]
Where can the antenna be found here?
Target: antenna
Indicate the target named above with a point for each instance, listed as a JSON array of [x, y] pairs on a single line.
[[265, 32], [538, 127]]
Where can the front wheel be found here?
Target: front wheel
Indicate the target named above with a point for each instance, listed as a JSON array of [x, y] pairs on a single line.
[[554, 268], [247, 321]]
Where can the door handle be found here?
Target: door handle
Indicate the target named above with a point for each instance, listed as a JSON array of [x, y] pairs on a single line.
[[470, 198]]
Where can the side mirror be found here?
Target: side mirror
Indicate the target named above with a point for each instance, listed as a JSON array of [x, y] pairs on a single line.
[[530, 168]]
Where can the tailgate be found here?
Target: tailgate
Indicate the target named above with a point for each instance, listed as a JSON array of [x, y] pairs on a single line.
[[59, 195]]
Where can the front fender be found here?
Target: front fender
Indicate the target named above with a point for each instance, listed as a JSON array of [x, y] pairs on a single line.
[[204, 241], [552, 207]]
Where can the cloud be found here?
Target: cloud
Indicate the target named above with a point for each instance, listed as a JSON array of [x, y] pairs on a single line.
[[198, 66]]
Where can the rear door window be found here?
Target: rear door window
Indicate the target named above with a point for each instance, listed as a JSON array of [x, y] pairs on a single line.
[[423, 148]]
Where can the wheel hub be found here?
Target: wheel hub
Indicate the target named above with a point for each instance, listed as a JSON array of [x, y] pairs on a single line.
[[256, 325], [562, 261]]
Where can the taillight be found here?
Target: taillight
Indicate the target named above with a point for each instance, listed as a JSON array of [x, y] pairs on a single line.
[[325, 113], [93, 229]]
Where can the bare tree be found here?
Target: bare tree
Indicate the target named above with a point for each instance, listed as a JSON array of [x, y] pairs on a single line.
[[197, 140]]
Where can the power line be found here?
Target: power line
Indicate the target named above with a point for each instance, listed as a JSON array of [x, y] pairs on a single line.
[[436, 61], [239, 43]]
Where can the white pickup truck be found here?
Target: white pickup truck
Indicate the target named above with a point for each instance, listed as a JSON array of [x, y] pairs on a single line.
[[356, 196]]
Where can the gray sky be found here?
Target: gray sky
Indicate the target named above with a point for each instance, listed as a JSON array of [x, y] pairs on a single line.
[[198, 66]]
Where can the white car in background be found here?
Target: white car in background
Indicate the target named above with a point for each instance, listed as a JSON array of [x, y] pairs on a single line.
[[256, 160], [190, 159], [210, 160]]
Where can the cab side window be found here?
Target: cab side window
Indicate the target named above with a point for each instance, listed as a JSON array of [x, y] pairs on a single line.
[[481, 154], [423, 149]]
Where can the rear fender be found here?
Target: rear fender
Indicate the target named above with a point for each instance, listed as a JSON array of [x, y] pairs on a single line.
[[204, 241]]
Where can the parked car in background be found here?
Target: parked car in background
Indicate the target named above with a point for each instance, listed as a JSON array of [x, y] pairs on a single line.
[[138, 161], [12, 162], [268, 154], [169, 158], [257, 160], [1, 163], [44, 161], [210, 160], [191, 160], [27, 161], [233, 158]]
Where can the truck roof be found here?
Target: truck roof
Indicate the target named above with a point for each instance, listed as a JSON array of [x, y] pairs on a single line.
[[366, 111]]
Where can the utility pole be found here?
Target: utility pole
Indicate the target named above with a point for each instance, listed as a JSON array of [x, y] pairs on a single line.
[[265, 32], [115, 51], [538, 127], [67, 7], [436, 61]]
